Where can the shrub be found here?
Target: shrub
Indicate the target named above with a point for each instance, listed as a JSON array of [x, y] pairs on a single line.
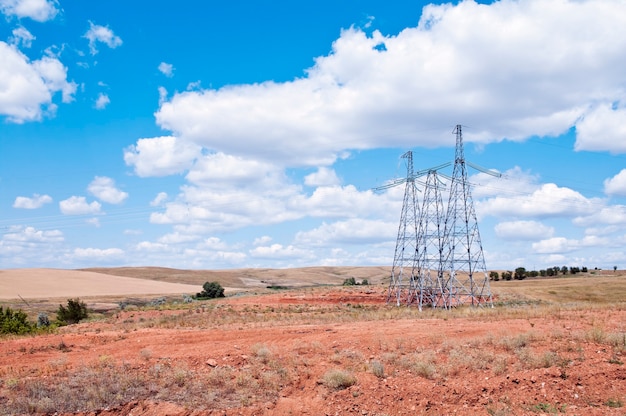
[[42, 320], [349, 282], [14, 322], [338, 379], [378, 369], [211, 290], [74, 313]]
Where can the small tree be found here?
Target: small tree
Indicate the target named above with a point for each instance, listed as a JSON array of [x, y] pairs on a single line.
[[520, 273], [74, 313], [349, 282], [14, 322], [211, 290], [365, 282], [493, 275]]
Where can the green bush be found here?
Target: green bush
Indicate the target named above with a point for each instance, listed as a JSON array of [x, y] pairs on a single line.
[[14, 322], [211, 290], [349, 282], [74, 313]]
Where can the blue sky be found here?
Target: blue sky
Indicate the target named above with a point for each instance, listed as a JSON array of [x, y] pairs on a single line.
[[251, 134]]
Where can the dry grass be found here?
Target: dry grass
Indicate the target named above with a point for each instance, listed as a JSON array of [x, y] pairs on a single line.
[[269, 368], [338, 379]]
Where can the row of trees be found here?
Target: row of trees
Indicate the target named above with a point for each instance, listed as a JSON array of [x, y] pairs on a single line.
[[521, 273]]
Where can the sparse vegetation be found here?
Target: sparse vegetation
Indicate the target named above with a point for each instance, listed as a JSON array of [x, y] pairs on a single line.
[[263, 347]]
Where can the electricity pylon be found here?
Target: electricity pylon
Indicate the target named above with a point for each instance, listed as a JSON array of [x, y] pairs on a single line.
[[426, 286], [405, 255], [439, 259], [464, 277]]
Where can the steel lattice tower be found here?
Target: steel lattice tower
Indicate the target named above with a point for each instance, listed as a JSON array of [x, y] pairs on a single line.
[[405, 255], [464, 277], [426, 286]]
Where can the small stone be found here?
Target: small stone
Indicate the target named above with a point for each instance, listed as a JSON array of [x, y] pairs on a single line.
[[211, 362]]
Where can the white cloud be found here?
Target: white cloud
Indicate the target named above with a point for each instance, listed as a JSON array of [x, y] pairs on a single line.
[[97, 253], [166, 69], [21, 36], [610, 215], [603, 129], [32, 235], [513, 62], [555, 245], [160, 156], [549, 200], [78, 205], [278, 251], [345, 201], [162, 95], [101, 34], [323, 177], [104, 189], [264, 240], [102, 101], [177, 238], [617, 184], [27, 87], [38, 10], [523, 230], [561, 245], [37, 201], [159, 199], [224, 171], [353, 231]]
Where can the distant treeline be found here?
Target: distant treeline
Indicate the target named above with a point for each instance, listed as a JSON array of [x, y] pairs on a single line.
[[521, 273]]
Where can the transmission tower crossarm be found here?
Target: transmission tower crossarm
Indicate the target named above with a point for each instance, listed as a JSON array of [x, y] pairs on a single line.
[[484, 170]]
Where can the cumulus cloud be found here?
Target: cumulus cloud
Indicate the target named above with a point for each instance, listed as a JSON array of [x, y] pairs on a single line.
[[166, 69], [32, 235], [101, 34], [603, 128], [102, 101], [38, 10], [610, 215], [278, 251], [549, 200], [561, 245], [160, 156], [22, 37], [353, 231], [104, 189], [224, 171], [506, 68], [37, 201], [617, 184], [523, 230], [322, 177], [78, 205], [28, 87]]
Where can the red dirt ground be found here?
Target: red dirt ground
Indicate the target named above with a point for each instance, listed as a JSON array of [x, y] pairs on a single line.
[[537, 361]]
